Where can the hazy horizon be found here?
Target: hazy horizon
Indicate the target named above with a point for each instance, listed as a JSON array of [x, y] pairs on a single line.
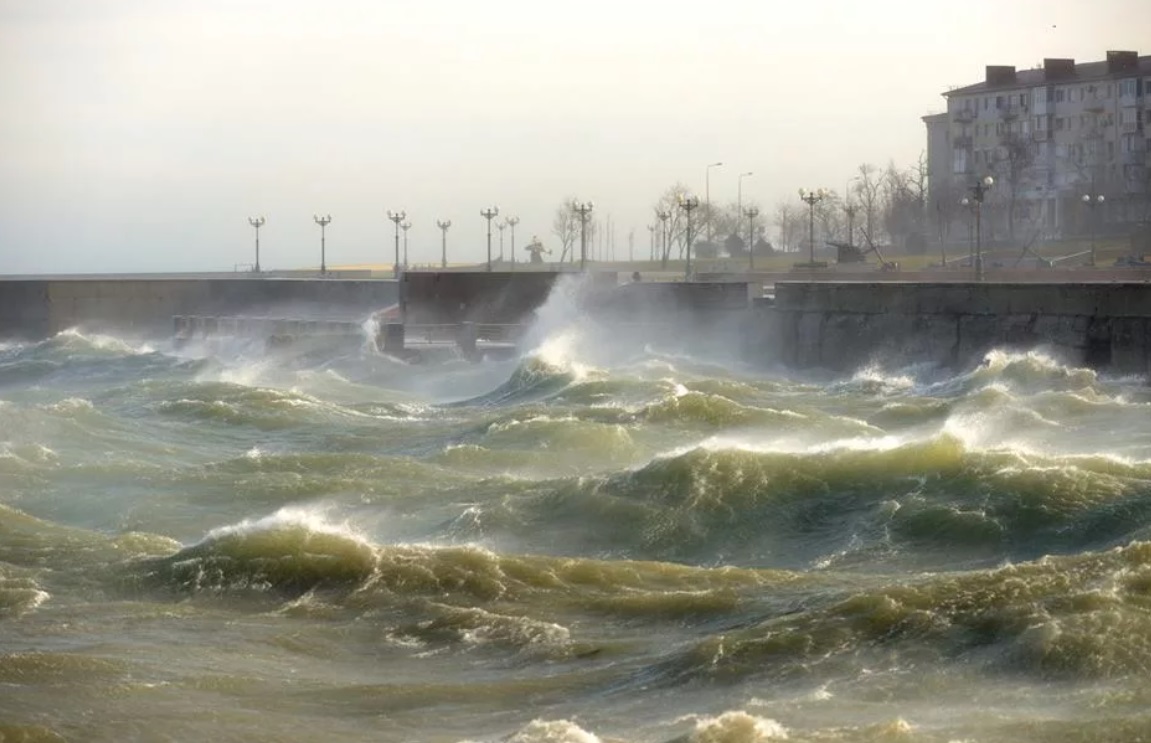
[[141, 136]]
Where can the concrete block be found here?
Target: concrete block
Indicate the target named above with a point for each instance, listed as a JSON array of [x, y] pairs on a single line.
[[1129, 345]]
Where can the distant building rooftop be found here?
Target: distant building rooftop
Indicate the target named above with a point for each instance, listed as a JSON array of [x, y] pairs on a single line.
[[1119, 64]]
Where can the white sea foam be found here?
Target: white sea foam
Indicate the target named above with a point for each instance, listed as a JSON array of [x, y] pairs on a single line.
[[314, 518], [734, 726], [553, 731], [104, 342]]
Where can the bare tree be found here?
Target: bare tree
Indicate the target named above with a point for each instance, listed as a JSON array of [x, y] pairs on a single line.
[[1014, 158], [830, 218], [566, 227], [668, 203], [869, 194], [944, 211], [790, 221], [904, 204]]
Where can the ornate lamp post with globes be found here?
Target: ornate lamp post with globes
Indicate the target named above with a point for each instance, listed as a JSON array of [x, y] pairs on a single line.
[[1093, 203], [489, 214], [583, 209], [664, 215], [444, 225], [751, 213], [688, 204], [512, 222], [397, 217], [323, 221], [811, 198], [257, 222], [978, 194]]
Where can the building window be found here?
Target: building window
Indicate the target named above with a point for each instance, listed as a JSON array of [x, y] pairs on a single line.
[[1127, 88], [1058, 123], [1060, 95]]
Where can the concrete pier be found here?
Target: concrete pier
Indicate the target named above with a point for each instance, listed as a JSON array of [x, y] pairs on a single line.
[[843, 326], [39, 308]]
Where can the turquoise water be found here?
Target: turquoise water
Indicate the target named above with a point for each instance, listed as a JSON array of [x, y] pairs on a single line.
[[602, 539]]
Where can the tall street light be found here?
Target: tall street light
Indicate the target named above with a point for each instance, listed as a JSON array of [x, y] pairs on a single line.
[[664, 215], [444, 225], [397, 217], [751, 213], [405, 226], [583, 209], [501, 226], [978, 194], [707, 197], [811, 198], [489, 214], [739, 193], [323, 221], [257, 222], [688, 204], [1093, 203], [651, 243], [512, 222]]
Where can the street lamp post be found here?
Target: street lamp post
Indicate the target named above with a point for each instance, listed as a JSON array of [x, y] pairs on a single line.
[[751, 213], [405, 227], [257, 222], [739, 193], [489, 214], [978, 193], [397, 217], [323, 221], [688, 204], [444, 225], [1092, 202], [707, 198], [501, 226], [512, 222], [664, 216], [583, 209], [811, 198], [651, 242]]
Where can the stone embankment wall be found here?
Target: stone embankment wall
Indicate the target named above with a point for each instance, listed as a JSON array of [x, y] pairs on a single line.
[[39, 308], [843, 326]]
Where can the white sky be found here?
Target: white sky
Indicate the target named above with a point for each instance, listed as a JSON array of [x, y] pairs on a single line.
[[139, 135]]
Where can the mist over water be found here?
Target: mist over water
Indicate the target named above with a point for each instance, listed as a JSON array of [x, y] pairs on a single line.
[[612, 537]]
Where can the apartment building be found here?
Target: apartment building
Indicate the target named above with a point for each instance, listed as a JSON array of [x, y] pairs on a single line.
[[1049, 136]]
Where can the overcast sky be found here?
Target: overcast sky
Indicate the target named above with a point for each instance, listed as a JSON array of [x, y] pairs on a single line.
[[139, 135]]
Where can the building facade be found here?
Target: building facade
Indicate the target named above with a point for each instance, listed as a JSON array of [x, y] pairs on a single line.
[[1049, 136]]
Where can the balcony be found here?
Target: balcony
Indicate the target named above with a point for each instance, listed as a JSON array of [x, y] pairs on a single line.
[[1012, 110], [962, 143], [1040, 136], [964, 116], [1098, 105]]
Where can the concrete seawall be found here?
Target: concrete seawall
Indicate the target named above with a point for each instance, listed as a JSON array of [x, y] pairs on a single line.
[[841, 326], [39, 308]]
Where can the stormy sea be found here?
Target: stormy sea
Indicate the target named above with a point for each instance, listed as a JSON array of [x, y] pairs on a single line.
[[601, 538]]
